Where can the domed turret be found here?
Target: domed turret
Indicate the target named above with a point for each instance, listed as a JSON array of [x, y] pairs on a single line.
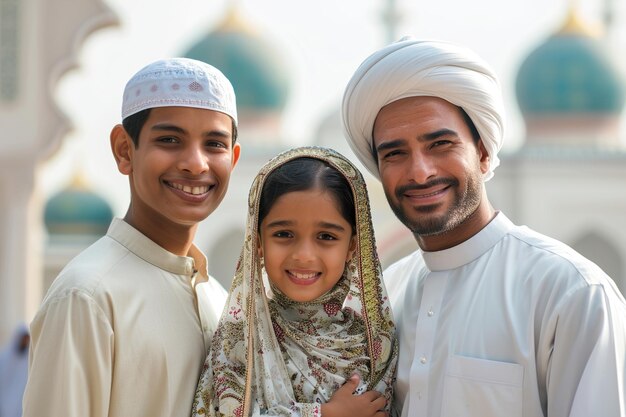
[[570, 88], [77, 211], [254, 67]]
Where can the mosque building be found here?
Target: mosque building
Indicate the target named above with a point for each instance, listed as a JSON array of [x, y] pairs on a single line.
[[566, 180]]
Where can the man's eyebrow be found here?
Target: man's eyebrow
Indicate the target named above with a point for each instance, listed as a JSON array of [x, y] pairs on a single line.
[[390, 144], [427, 137]]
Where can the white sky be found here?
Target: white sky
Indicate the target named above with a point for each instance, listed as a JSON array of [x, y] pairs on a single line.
[[323, 42]]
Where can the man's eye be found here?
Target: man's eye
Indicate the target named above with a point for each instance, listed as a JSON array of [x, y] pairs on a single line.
[[391, 154], [441, 143]]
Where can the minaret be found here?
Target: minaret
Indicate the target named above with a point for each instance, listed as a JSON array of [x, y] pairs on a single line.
[[390, 17]]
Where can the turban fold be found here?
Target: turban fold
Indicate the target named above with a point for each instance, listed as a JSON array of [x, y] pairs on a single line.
[[410, 68]]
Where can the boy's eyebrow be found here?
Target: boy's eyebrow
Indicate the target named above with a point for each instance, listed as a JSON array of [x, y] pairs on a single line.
[[168, 127], [427, 137]]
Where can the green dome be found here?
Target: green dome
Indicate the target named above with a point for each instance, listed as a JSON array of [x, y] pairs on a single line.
[[77, 211], [570, 73], [254, 68]]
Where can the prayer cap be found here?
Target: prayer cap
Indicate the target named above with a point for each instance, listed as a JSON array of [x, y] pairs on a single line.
[[410, 68], [180, 82]]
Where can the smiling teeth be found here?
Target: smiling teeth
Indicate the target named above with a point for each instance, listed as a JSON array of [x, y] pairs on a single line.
[[191, 190], [303, 276]]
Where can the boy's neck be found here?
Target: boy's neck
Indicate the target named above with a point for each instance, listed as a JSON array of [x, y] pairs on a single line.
[[176, 239]]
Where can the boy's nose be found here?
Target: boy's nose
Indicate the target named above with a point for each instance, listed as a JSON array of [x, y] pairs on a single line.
[[194, 160]]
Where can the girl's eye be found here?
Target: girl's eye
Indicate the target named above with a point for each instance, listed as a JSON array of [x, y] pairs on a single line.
[[326, 236], [283, 234]]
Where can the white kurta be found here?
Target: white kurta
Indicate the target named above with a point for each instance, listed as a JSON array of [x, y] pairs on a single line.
[[123, 331], [509, 323]]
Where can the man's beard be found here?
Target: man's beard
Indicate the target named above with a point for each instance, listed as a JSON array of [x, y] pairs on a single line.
[[423, 222]]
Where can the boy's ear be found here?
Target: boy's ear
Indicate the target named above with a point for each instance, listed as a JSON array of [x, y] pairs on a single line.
[[122, 148], [236, 154]]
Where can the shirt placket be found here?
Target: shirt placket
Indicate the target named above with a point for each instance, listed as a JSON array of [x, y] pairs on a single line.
[[206, 334], [430, 308]]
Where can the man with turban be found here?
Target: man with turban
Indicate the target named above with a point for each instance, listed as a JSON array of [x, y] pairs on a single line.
[[494, 319]]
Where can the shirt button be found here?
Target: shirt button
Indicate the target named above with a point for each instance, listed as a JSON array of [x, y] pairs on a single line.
[[423, 359], [431, 313]]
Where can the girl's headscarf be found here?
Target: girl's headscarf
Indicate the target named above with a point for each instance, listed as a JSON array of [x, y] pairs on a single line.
[[278, 357]]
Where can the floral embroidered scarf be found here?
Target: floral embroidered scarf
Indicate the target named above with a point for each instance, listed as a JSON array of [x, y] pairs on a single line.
[[274, 356]]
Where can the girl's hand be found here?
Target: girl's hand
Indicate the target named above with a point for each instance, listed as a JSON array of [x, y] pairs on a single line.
[[344, 403]]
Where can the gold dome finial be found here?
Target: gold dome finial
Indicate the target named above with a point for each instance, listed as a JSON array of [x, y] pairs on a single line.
[[78, 181], [575, 25], [233, 20]]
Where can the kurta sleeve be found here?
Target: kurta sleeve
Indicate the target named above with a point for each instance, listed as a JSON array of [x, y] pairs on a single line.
[[586, 371], [71, 358]]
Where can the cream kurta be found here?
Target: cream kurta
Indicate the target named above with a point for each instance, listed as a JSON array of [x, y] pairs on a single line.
[[509, 323], [122, 331]]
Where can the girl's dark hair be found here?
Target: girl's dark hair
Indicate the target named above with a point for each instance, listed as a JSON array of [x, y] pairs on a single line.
[[305, 174], [133, 124]]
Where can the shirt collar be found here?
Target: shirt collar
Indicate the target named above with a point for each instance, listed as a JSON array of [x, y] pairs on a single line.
[[149, 251], [472, 248]]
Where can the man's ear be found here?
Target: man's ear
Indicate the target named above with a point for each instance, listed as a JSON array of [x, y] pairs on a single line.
[[122, 147], [483, 156]]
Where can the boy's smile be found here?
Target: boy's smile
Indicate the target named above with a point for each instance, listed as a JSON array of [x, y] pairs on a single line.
[[180, 170]]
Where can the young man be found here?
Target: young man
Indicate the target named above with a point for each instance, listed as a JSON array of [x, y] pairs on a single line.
[[125, 328], [494, 319]]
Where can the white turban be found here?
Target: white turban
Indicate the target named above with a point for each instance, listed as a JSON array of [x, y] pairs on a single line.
[[410, 68]]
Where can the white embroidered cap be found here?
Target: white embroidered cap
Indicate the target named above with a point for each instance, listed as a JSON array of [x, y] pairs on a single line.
[[180, 82]]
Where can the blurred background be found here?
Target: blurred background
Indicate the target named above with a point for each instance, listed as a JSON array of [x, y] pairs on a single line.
[[64, 64]]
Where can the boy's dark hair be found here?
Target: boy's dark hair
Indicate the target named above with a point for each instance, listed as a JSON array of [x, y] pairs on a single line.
[[134, 123], [303, 174]]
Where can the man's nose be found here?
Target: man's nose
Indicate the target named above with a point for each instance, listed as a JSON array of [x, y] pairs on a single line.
[[422, 167]]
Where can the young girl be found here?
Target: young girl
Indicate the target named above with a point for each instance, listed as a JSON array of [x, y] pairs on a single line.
[[307, 309]]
